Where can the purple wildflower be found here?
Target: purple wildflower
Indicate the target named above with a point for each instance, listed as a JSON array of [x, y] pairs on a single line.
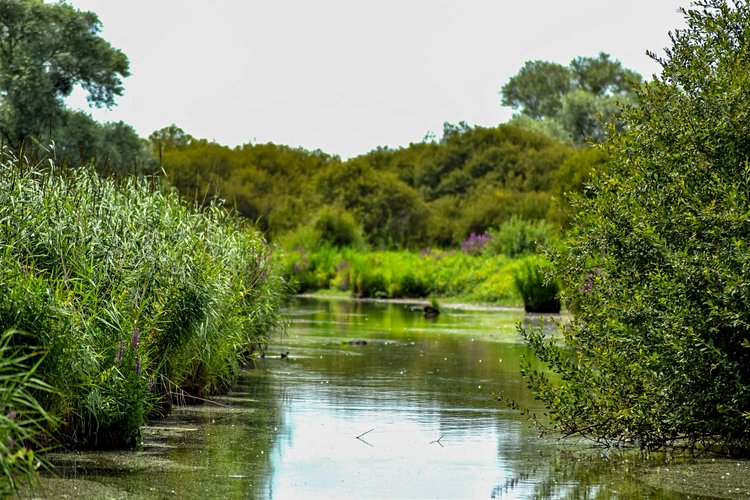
[[118, 358], [136, 339], [589, 279], [476, 243], [150, 383], [12, 415]]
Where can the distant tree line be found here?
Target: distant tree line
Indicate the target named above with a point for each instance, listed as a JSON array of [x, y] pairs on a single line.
[[434, 192], [428, 193]]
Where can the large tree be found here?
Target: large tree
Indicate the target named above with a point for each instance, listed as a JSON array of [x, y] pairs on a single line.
[[579, 98], [45, 51], [657, 268]]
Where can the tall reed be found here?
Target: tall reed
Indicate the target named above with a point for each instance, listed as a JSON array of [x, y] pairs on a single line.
[[22, 418], [133, 295]]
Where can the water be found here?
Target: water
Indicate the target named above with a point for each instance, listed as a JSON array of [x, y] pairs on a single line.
[[375, 401]]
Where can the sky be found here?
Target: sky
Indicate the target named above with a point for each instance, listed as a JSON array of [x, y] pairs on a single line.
[[347, 76]]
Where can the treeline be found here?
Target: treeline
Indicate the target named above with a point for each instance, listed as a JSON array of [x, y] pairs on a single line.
[[428, 193]]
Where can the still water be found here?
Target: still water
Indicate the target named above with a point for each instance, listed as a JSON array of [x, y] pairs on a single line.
[[373, 401]]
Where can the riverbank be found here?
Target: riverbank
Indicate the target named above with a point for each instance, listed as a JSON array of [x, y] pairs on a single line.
[[445, 303], [466, 277], [117, 298]]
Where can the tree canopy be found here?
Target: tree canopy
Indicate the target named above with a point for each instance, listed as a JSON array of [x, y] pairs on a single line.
[[575, 98], [45, 51], [428, 193], [657, 269]]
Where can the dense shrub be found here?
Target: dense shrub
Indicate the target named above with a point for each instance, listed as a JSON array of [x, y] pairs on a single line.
[[517, 237], [540, 293], [338, 228], [658, 261]]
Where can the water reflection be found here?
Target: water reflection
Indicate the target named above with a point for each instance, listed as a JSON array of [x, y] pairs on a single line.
[[374, 401], [419, 394]]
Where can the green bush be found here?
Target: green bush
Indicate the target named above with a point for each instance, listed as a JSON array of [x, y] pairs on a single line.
[[338, 228], [540, 293], [517, 237], [658, 260]]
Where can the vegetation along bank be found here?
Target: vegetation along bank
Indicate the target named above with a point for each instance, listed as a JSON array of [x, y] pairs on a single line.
[[117, 297]]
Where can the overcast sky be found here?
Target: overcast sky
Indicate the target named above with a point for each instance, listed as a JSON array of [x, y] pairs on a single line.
[[346, 76]]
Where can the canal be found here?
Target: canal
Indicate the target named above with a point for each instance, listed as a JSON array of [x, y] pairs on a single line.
[[373, 400]]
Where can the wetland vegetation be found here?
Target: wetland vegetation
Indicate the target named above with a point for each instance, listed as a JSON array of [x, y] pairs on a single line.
[[137, 273]]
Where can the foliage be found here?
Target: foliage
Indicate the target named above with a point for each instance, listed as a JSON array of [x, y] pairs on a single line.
[[396, 274], [45, 51], [22, 418], [338, 227], [391, 212], [540, 294], [657, 268], [430, 193], [133, 296], [538, 88], [517, 237], [113, 148], [571, 179], [578, 99]]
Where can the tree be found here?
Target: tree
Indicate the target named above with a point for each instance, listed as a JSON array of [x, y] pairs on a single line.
[[113, 148], [537, 89], [579, 99], [657, 269], [602, 76], [45, 51]]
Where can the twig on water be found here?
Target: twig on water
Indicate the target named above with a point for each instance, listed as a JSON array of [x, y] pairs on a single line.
[[360, 437], [438, 441]]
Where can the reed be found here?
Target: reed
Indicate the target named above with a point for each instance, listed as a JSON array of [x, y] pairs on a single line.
[[134, 296], [23, 421]]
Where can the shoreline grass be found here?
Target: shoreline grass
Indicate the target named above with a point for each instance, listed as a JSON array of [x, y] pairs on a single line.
[[448, 275], [131, 295]]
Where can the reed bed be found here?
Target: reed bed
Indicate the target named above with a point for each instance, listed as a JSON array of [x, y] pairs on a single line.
[[133, 297]]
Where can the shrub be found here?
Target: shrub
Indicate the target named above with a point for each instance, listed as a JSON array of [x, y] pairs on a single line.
[[658, 260], [338, 228], [517, 237], [540, 293]]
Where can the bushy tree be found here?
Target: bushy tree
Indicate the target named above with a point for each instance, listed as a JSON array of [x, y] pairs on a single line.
[[113, 148], [45, 51], [538, 88], [570, 102], [657, 268]]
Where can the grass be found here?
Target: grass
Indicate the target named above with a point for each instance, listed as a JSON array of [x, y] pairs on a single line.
[[402, 274], [134, 297], [22, 418], [499, 267]]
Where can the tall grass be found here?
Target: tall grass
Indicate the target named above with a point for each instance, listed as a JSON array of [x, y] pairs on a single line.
[[22, 418], [395, 274], [540, 293], [132, 295]]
